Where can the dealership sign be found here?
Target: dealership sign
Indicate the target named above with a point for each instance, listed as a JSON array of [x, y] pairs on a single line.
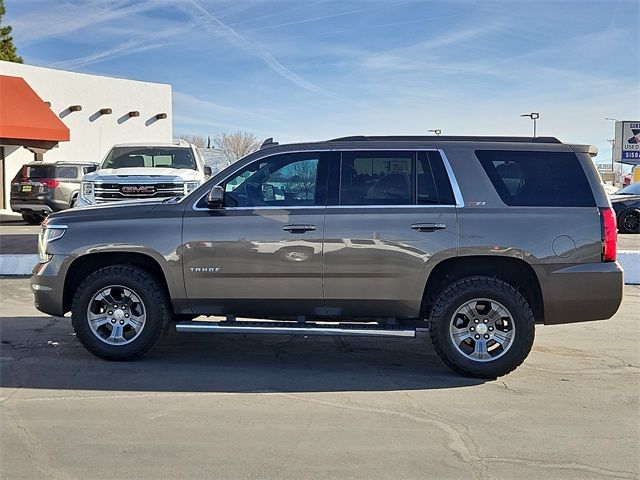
[[627, 146]]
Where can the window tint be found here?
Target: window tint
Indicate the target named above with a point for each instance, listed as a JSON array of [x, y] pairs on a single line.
[[66, 172], [89, 169], [376, 178], [551, 179], [40, 171], [434, 186], [281, 180]]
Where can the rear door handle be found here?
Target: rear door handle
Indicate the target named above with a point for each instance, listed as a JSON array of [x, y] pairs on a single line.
[[299, 228], [428, 227]]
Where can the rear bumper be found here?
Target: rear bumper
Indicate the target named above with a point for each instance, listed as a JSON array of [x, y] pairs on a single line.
[[38, 206], [580, 293], [47, 285], [30, 207]]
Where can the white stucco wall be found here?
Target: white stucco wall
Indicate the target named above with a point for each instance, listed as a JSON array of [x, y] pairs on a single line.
[[92, 134]]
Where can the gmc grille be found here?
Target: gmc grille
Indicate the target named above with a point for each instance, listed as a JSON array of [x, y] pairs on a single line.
[[112, 192]]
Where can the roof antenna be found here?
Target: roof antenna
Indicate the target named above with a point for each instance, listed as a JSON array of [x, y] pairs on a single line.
[[268, 143]]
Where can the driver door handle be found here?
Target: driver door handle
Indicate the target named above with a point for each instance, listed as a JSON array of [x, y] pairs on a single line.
[[299, 228], [428, 227]]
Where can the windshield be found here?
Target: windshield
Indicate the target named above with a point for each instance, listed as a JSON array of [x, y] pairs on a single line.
[[149, 157], [633, 189]]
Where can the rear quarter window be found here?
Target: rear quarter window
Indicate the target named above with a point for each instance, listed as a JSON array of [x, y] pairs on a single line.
[[66, 172], [532, 179]]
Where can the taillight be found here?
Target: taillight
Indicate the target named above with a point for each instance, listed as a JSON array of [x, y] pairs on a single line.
[[609, 234], [49, 182]]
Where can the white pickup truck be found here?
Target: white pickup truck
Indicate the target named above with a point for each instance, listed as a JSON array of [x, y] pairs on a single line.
[[145, 171]]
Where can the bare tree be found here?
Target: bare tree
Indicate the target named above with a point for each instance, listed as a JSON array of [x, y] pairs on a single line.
[[304, 178], [236, 145], [198, 140]]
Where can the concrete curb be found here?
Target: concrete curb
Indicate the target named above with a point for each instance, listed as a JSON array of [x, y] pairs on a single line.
[[17, 264], [23, 264], [630, 261]]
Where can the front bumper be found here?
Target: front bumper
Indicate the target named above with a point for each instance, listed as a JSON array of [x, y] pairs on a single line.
[[581, 293], [47, 285]]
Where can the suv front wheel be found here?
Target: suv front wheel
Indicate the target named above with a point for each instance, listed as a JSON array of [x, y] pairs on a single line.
[[120, 312], [482, 327]]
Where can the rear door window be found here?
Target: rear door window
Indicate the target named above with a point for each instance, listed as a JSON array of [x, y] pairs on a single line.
[[394, 178], [545, 179], [377, 178], [434, 187]]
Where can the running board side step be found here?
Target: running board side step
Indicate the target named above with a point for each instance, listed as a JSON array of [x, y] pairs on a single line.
[[292, 329]]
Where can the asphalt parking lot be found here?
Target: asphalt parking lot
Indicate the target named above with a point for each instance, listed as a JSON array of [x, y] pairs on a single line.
[[289, 407]]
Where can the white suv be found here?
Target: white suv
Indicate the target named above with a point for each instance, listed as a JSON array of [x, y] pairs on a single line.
[[145, 171]]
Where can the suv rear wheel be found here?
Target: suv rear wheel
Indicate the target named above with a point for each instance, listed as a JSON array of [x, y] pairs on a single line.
[[482, 327], [120, 312], [33, 218]]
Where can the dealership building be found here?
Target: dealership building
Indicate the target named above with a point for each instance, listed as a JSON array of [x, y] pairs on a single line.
[[54, 115]]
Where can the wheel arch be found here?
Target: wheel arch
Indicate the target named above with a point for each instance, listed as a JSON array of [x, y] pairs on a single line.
[[513, 271], [86, 264]]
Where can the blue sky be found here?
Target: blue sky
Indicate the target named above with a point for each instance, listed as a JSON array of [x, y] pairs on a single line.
[[309, 70]]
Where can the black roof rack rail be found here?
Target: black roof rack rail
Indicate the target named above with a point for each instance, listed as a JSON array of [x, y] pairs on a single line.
[[444, 138]]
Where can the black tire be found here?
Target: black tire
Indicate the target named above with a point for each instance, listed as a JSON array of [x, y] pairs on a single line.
[[470, 288], [629, 221], [33, 218], [146, 287], [74, 201]]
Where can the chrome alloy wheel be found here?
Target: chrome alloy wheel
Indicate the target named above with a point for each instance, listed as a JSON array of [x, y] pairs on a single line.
[[482, 330], [116, 315]]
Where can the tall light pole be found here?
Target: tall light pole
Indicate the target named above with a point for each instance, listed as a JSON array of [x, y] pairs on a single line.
[[437, 131], [533, 116]]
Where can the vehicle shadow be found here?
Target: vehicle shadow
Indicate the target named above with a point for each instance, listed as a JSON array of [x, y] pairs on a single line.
[[43, 353]]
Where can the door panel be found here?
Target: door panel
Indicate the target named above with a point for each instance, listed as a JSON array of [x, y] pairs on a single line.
[[261, 254], [243, 262], [390, 218], [376, 265]]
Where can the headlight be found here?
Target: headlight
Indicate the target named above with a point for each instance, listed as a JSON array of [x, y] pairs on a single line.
[[190, 187], [87, 190], [48, 234]]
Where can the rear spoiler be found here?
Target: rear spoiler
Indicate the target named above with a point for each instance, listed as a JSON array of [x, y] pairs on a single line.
[[592, 150]]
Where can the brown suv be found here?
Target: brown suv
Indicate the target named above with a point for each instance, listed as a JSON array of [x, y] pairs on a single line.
[[475, 238], [39, 188]]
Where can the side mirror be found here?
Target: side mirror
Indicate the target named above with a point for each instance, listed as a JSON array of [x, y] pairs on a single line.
[[215, 197], [207, 170]]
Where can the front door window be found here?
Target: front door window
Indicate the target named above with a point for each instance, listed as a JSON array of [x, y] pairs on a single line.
[[281, 181]]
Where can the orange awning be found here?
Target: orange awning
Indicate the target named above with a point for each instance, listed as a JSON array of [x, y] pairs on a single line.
[[25, 116]]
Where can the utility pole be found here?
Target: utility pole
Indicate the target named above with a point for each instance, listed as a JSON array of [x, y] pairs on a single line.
[[533, 116], [613, 148]]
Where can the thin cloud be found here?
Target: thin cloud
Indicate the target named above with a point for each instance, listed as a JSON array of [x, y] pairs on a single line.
[[314, 19], [67, 18], [273, 14], [214, 25], [186, 101], [374, 27], [146, 43]]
